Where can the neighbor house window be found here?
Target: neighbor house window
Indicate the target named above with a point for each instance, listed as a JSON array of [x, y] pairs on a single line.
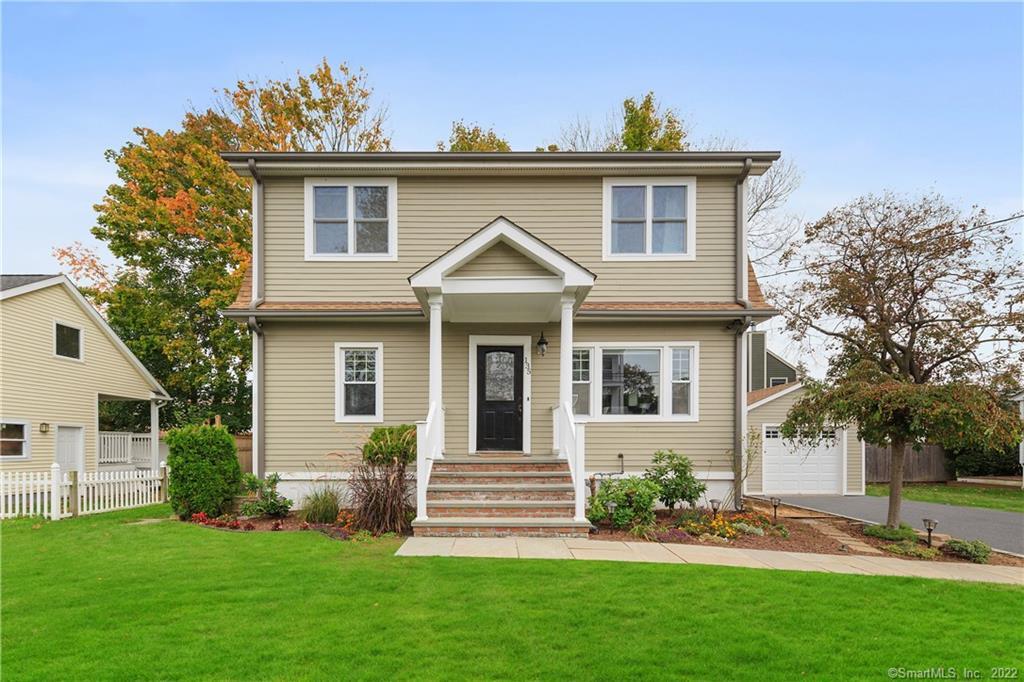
[[777, 381], [351, 219], [637, 381], [581, 381], [14, 439], [649, 218], [67, 341], [359, 375]]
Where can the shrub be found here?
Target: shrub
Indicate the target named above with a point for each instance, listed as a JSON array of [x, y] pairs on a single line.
[[912, 548], [747, 529], [267, 502], [983, 462], [672, 535], [904, 532], [674, 475], [379, 495], [204, 472], [975, 550], [387, 444], [323, 504], [634, 498]]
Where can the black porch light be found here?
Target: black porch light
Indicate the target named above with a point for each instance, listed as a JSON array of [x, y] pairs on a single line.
[[775, 508], [929, 525], [542, 345]]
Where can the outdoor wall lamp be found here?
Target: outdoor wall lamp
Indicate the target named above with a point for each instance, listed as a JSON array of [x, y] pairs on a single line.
[[44, 427], [929, 525], [775, 509], [542, 345]]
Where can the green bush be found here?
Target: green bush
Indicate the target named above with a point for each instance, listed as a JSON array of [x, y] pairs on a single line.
[[323, 504], [904, 532], [983, 462], [204, 472], [267, 502], [389, 443], [912, 548], [674, 475], [634, 498], [975, 550]]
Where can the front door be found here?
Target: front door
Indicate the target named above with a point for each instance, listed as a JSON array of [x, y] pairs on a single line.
[[69, 448], [499, 398]]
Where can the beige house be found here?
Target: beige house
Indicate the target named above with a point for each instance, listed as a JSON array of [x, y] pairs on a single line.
[[541, 317], [58, 360]]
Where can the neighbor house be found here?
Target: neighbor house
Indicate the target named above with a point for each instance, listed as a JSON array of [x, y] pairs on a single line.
[[767, 369], [59, 359], [541, 317]]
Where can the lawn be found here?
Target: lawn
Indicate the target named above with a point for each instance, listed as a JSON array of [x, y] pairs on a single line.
[[97, 598], [1007, 499]]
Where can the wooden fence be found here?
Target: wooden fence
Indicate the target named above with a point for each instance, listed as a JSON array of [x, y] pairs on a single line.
[[926, 466], [57, 494], [243, 442]]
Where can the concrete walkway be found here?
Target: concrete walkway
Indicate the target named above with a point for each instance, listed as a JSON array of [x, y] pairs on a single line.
[[653, 552], [1001, 529]]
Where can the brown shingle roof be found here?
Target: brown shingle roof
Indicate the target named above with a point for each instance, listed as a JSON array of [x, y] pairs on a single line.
[[762, 393]]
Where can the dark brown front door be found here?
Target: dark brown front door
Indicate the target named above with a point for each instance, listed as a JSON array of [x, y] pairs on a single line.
[[499, 398]]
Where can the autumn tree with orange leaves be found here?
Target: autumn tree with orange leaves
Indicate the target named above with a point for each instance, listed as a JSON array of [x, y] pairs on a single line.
[[178, 220]]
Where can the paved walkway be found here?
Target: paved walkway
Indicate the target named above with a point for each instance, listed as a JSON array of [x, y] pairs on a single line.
[[653, 552], [1001, 529]]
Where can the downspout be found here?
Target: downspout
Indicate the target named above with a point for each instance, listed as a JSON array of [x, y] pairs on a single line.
[[258, 439], [742, 326], [257, 236]]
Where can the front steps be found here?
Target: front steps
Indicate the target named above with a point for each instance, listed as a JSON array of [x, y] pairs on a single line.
[[489, 496]]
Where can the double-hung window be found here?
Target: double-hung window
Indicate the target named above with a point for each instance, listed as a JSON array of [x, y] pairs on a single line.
[[649, 218], [636, 381], [351, 219], [67, 341], [14, 439], [359, 382]]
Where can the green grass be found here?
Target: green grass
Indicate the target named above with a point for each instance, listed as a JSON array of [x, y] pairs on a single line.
[[1007, 499], [95, 598]]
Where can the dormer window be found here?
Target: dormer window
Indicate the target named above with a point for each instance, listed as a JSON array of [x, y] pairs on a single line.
[[649, 218], [351, 219]]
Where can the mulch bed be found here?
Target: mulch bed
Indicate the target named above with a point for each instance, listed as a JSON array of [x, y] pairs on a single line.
[[289, 523]]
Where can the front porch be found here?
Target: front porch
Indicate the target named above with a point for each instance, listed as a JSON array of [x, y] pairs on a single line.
[[128, 450]]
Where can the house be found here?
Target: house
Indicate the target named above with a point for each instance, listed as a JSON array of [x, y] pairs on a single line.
[[60, 360], [767, 368], [541, 317]]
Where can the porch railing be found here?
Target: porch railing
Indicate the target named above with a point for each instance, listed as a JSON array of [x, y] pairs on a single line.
[[429, 448], [570, 445], [124, 447]]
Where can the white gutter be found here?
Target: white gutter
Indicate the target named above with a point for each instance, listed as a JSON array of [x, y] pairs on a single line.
[[742, 283], [257, 235]]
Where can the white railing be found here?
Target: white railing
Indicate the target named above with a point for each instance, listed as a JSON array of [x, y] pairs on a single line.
[[142, 451], [429, 447], [115, 447], [56, 494], [570, 444]]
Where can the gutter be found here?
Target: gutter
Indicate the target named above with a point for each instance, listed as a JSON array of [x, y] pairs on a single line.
[[539, 158], [258, 439], [742, 285], [257, 235]]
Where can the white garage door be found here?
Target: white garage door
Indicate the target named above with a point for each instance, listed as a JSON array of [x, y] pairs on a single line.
[[791, 469]]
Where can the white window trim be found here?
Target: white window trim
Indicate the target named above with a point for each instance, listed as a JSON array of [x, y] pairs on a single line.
[[310, 227], [689, 181], [664, 388], [81, 341], [784, 381], [339, 383], [26, 450]]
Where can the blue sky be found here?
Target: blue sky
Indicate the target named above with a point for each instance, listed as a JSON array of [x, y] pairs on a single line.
[[863, 97]]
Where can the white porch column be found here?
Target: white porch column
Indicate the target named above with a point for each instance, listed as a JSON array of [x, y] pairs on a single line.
[[565, 354], [154, 434], [434, 385]]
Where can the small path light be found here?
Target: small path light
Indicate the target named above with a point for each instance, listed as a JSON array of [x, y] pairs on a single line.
[[929, 525], [611, 511], [775, 509], [715, 506]]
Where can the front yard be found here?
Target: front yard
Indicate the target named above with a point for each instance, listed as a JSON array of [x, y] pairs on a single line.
[[99, 598], [1006, 499]]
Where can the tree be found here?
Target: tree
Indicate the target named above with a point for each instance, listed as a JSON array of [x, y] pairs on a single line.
[[915, 298], [472, 138], [178, 220]]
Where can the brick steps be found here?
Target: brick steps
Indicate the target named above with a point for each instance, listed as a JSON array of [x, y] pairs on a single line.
[[502, 495]]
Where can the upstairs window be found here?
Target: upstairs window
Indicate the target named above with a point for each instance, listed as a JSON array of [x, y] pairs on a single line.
[[351, 219], [649, 218], [67, 341]]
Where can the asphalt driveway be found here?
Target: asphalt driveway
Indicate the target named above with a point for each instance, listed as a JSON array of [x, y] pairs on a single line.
[[1001, 529]]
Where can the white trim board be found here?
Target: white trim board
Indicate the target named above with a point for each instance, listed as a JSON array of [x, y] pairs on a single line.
[[526, 342]]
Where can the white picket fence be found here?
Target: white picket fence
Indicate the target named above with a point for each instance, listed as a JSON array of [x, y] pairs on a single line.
[[57, 494]]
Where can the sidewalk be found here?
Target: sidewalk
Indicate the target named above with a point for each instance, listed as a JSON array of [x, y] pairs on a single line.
[[653, 552]]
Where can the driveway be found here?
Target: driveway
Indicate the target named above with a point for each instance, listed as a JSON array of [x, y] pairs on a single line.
[[1001, 529]]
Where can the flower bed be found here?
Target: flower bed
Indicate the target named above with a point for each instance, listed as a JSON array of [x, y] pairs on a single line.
[[342, 529]]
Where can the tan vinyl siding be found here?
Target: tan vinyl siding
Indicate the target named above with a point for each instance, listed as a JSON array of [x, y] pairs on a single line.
[[38, 386], [435, 214], [501, 260], [774, 413], [707, 442]]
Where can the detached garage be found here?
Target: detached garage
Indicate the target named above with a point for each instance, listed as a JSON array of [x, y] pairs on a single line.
[[834, 467]]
